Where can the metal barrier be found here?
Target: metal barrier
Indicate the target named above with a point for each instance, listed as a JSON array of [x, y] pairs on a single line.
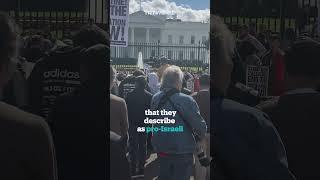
[[196, 52], [61, 22], [188, 57], [276, 16], [131, 68]]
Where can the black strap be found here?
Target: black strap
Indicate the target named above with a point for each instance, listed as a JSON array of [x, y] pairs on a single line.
[[166, 98]]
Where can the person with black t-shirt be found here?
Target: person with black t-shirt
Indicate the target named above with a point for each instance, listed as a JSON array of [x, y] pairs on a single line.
[[79, 121], [52, 76], [58, 73], [138, 101], [128, 84]]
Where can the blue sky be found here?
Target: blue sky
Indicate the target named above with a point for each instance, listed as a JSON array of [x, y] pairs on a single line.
[[186, 10], [194, 4]]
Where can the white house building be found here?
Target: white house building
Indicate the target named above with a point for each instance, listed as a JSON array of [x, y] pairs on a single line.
[[147, 28], [158, 35]]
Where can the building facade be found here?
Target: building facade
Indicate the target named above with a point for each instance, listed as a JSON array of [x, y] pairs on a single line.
[[147, 28], [156, 35]]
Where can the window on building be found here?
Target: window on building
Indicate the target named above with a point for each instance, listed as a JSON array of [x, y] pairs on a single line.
[[169, 54], [193, 39], [170, 39], [192, 55], [181, 39], [181, 55]]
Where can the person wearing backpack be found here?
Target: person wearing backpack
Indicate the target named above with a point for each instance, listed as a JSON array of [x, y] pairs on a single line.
[[80, 120], [59, 72], [175, 143]]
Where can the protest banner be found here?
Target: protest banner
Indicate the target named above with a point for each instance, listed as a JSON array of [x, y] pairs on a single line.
[[257, 77], [119, 22]]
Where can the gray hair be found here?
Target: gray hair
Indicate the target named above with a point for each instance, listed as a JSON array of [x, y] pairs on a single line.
[[172, 77]]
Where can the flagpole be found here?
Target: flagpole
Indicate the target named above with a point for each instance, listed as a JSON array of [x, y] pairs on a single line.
[[140, 5]]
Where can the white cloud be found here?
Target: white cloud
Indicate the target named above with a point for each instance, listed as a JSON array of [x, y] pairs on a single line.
[[184, 12]]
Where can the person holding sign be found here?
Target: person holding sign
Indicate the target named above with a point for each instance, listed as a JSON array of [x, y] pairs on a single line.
[[240, 133]]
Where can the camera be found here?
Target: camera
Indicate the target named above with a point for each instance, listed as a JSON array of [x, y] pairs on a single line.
[[204, 160]]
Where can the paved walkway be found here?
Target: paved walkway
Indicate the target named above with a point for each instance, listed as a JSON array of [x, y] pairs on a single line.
[[152, 169]]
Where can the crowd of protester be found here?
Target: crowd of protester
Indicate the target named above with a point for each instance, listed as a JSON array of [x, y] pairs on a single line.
[[53, 109], [133, 94], [53, 104], [257, 138], [159, 61], [260, 49]]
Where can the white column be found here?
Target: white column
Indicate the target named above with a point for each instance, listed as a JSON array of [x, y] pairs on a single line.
[[132, 34], [148, 35], [162, 38], [132, 41], [92, 9]]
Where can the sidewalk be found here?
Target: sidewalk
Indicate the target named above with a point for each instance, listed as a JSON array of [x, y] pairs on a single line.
[[152, 169]]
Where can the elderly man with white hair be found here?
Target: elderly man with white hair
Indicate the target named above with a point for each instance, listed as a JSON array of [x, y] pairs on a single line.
[[175, 142]]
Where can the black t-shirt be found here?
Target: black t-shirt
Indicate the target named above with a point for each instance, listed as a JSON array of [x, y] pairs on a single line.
[[127, 86], [79, 122], [137, 102], [56, 74]]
